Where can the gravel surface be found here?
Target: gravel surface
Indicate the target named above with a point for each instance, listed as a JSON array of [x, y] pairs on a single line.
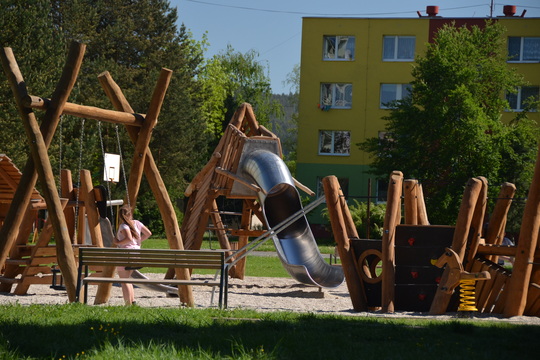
[[258, 293]]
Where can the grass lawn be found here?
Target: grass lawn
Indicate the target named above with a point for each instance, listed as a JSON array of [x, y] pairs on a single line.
[[76, 331], [268, 266]]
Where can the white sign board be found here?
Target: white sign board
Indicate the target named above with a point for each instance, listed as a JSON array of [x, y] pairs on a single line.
[[111, 171]]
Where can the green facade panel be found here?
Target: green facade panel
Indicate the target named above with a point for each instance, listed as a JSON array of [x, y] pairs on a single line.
[[355, 180]]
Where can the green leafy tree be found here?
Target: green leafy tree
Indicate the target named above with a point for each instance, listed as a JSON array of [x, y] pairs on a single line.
[[237, 78], [449, 129], [39, 50], [290, 140], [132, 40]]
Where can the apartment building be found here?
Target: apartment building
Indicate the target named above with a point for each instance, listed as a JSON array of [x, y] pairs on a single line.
[[352, 67]]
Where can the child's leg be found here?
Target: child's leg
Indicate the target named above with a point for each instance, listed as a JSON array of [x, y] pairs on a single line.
[[127, 289]]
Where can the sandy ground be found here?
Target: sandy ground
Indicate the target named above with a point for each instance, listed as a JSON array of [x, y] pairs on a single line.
[[261, 294]]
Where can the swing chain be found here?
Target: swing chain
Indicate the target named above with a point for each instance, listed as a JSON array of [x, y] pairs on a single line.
[[105, 169], [122, 165], [79, 175]]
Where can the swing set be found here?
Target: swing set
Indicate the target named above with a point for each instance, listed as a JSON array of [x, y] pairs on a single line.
[[25, 262]]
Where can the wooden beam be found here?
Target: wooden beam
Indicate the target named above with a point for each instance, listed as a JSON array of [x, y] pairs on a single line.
[[303, 187], [340, 222], [459, 241], [499, 250], [92, 213], [143, 140], [422, 212], [243, 181], [66, 191], [88, 112], [28, 180], [391, 220], [151, 171], [497, 221], [526, 247], [477, 224], [410, 195]]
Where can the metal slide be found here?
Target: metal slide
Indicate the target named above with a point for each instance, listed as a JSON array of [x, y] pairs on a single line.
[[295, 244]]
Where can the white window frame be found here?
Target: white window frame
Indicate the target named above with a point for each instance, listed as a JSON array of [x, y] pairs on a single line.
[[337, 40], [332, 143], [522, 45], [401, 91], [334, 95], [395, 56], [519, 100]]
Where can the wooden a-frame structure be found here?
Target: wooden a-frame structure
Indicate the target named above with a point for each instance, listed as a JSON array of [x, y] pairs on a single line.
[[219, 177], [31, 256], [139, 128]]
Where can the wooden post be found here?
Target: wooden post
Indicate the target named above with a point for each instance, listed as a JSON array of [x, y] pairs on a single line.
[[145, 133], [66, 192], [39, 142], [92, 213], [219, 228], [21, 198], [497, 221], [477, 223], [422, 212], [391, 220], [526, 247], [156, 183], [334, 202], [65, 256], [459, 241], [245, 222], [410, 194]]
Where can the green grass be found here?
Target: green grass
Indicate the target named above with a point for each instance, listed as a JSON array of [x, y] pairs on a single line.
[[76, 331], [326, 246], [260, 266], [264, 266]]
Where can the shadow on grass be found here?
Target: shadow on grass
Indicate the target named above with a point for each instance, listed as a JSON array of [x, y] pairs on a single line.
[[71, 330]]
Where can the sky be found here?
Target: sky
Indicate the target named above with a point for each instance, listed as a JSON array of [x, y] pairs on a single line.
[[274, 28]]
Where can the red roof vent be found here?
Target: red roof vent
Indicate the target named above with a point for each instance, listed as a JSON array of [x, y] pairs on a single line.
[[509, 10], [432, 10]]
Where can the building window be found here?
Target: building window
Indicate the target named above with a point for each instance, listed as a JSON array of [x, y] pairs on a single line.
[[398, 48], [382, 191], [337, 96], [523, 98], [343, 184], [393, 92], [334, 142], [338, 48], [524, 49]]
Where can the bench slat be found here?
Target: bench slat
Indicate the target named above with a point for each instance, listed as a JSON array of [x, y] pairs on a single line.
[[149, 281]]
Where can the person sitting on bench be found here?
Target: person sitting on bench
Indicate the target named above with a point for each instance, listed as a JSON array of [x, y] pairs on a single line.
[[131, 233]]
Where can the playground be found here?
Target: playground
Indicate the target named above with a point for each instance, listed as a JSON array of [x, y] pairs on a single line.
[[422, 264]]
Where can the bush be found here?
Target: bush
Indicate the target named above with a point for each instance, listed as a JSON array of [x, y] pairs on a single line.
[[359, 214]]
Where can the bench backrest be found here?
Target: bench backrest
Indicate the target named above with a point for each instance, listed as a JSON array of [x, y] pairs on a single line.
[[193, 259]]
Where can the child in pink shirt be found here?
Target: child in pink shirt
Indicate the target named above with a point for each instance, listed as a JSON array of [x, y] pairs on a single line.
[[131, 233]]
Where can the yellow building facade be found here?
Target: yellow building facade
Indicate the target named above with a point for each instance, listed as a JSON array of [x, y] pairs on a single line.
[[351, 67]]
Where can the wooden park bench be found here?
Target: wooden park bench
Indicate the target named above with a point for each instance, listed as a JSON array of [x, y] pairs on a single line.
[[156, 258]]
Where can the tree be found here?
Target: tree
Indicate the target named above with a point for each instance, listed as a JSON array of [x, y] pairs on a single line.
[[289, 126], [235, 78], [39, 49], [449, 129], [132, 40]]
